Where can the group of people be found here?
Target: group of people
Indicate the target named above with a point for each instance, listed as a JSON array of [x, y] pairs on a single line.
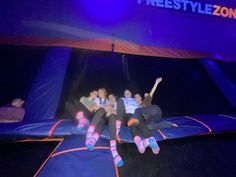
[[100, 108]]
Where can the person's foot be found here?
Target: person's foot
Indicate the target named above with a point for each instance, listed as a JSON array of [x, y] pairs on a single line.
[[117, 158], [133, 121], [89, 138], [89, 146], [83, 123], [118, 161], [79, 115], [91, 141], [140, 144], [151, 142]]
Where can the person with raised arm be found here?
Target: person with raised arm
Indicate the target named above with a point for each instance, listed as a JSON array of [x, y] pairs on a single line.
[[150, 113]]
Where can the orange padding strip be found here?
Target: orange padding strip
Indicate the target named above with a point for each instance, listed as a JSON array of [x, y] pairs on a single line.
[[104, 44], [53, 127], [79, 149], [117, 172], [209, 129], [40, 140], [162, 134]]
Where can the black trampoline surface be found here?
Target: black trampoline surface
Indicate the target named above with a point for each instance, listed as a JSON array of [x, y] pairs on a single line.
[[23, 159], [204, 156]]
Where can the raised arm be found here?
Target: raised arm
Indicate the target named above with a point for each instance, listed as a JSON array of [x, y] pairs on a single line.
[[158, 80]]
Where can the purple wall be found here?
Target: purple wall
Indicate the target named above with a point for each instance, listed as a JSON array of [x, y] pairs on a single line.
[[123, 19]]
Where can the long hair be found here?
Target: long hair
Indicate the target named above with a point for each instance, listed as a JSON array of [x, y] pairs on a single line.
[[105, 94]]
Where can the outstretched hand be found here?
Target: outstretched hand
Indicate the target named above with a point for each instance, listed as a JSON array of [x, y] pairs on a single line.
[[158, 80]]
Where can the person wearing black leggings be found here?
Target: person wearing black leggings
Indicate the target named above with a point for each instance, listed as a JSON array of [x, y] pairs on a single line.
[[106, 112]]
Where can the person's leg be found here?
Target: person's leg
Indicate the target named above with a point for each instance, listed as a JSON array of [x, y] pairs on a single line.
[[143, 127], [79, 106], [139, 131], [149, 140], [79, 113], [95, 128], [112, 131], [137, 135], [151, 113], [121, 114]]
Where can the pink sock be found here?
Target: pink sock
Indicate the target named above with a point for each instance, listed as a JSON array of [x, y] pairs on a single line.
[[82, 122], [140, 144], [93, 139], [79, 115], [117, 159], [145, 142], [118, 125], [153, 144], [90, 131]]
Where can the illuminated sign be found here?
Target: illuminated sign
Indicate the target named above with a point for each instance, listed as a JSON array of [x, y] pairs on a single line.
[[192, 6]]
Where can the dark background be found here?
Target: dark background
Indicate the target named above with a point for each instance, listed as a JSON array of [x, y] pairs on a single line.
[[18, 67], [186, 86]]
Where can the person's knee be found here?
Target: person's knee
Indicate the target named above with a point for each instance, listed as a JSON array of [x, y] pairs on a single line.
[[112, 117], [138, 112], [155, 110], [101, 110]]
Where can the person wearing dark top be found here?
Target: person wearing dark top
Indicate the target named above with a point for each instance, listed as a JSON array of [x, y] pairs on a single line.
[[149, 113]]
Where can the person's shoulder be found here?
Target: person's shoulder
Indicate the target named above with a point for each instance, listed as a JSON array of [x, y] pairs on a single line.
[[82, 98], [96, 99]]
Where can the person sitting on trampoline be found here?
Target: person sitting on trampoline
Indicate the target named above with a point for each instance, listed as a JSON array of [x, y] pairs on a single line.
[[105, 111], [149, 113], [141, 134], [82, 110]]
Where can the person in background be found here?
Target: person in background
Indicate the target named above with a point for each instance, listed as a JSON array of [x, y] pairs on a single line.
[[13, 112]]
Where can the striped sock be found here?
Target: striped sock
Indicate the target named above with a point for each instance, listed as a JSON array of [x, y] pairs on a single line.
[[83, 122], [140, 144], [117, 159], [90, 142], [118, 125], [153, 144], [79, 115], [89, 135]]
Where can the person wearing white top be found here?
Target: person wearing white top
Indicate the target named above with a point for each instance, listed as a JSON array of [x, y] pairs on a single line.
[[141, 134]]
